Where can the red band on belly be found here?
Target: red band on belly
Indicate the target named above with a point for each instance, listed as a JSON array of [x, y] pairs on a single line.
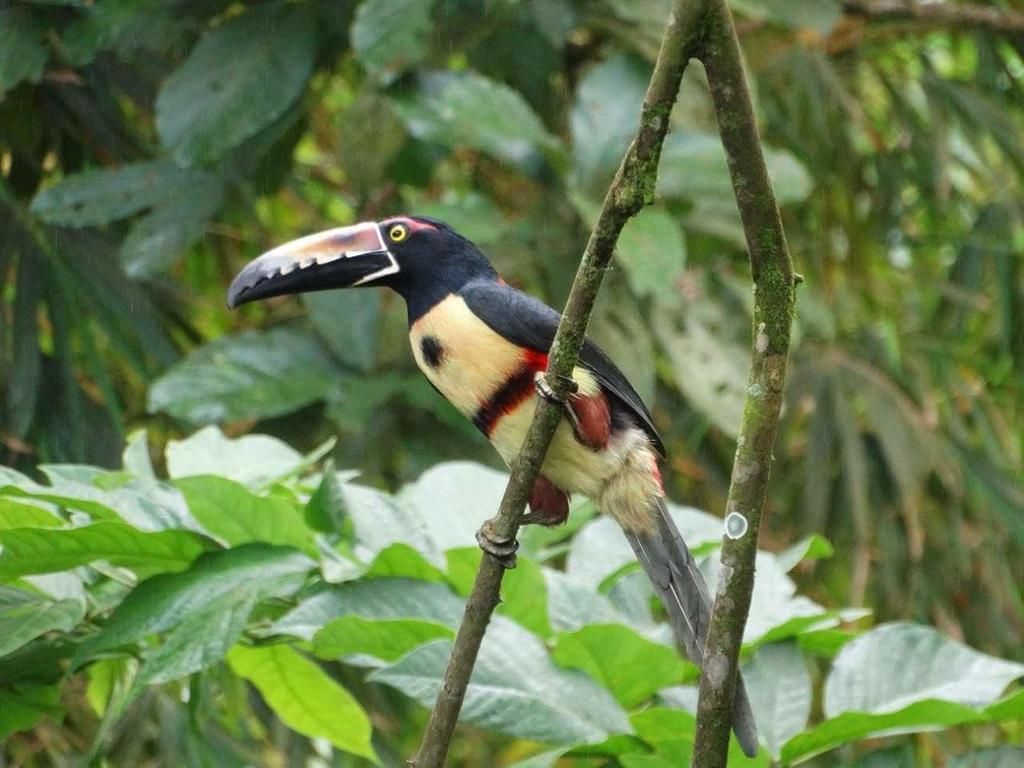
[[517, 388]]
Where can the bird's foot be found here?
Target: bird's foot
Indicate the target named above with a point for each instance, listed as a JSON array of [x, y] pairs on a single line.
[[503, 550], [545, 390]]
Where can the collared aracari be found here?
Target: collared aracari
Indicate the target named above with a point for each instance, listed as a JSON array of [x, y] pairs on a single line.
[[483, 345]]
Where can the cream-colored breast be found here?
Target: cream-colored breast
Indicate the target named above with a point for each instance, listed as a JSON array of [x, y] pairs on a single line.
[[472, 361]]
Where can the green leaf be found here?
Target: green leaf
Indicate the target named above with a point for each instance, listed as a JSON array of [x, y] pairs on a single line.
[[779, 686], [524, 597], [895, 665], [993, 757], [389, 36], [812, 547], [45, 550], [109, 194], [143, 504], [23, 51], [202, 639], [252, 460], [22, 706], [248, 573], [469, 213], [373, 599], [697, 344], [348, 322], [900, 678], [305, 698], [210, 104], [600, 550], [26, 615], [230, 511], [124, 26], [402, 561], [604, 118], [630, 666], [652, 251], [467, 109], [15, 515], [250, 375], [514, 689], [384, 639], [160, 237], [821, 16]]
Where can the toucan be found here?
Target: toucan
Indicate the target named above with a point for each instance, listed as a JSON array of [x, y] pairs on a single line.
[[483, 344]]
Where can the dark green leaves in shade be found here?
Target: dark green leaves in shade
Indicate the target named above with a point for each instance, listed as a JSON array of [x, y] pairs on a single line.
[[211, 104], [389, 36], [105, 195], [251, 375]]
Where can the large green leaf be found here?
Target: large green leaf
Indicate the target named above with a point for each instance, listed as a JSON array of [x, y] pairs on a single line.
[[211, 103], [386, 640], [469, 110], [389, 36], [22, 706], [16, 515], [244, 575], [44, 550], [235, 514], [251, 375], [251, 460], [305, 697], [349, 323], [26, 615], [109, 194], [896, 665], [515, 689], [373, 599], [928, 715], [652, 251], [144, 504], [630, 666], [900, 678], [160, 237], [23, 51], [604, 118], [779, 687]]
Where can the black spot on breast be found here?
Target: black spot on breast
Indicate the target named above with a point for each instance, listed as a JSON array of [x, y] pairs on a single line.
[[432, 351]]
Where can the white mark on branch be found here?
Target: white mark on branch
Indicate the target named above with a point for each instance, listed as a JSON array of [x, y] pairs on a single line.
[[735, 525], [755, 390], [746, 472], [718, 668], [761, 342]]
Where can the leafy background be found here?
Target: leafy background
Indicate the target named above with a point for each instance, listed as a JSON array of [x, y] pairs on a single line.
[[148, 149]]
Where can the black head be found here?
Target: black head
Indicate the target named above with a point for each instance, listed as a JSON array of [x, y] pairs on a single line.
[[421, 258]]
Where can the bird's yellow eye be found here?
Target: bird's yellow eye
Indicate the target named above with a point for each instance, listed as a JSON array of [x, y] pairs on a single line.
[[398, 233]]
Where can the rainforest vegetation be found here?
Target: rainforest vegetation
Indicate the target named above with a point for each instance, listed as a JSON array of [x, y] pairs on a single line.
[[246, 538]]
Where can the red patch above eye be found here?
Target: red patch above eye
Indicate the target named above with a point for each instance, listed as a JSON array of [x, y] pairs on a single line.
[[418, 226]]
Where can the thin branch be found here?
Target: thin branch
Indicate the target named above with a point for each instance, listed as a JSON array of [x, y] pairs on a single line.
[[773, 278], [632, 188], [939, 15]]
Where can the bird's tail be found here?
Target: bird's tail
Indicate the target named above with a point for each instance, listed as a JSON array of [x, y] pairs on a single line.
[[684, 593]]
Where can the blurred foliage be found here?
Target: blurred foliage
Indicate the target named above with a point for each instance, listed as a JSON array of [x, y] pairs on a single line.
[[149, 148], [134, 610]]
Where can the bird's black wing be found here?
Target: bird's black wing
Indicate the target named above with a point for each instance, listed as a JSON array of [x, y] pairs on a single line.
[[531, 323]]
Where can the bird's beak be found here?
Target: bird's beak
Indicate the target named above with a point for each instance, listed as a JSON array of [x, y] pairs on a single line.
[[337, 258]]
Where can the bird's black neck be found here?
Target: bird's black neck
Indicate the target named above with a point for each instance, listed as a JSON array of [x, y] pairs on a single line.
[[423, 289]]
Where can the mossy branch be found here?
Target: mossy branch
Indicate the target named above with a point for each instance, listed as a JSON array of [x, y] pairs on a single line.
[[772, 273], [632, 189]]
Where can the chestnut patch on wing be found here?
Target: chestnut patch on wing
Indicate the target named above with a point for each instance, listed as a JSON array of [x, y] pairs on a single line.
[[433, 352], [593, 424]]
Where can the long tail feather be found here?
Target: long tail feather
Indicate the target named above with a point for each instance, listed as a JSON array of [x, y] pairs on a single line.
[[682, 589]]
